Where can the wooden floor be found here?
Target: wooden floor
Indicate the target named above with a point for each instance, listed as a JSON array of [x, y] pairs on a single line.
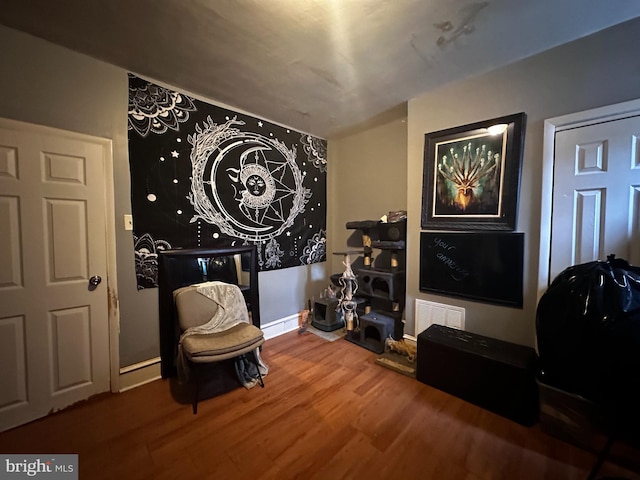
[[327, 412]]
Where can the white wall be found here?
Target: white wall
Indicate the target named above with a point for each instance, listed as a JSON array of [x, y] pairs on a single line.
[[594, 71]]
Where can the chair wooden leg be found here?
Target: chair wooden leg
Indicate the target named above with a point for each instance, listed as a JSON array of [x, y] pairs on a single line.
[[604, 453], [196, 387]]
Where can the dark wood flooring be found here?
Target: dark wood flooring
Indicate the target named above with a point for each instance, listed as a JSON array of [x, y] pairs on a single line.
[[327, 412]]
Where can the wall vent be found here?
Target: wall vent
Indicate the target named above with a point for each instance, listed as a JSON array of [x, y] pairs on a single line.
[[428, 313]]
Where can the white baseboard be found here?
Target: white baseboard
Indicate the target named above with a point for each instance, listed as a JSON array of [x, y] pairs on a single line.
[[290, 323], [139, 374], [280, 327], [149, 370]]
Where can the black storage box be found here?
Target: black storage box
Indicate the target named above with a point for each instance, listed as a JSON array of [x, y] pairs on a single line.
[[490, 373]]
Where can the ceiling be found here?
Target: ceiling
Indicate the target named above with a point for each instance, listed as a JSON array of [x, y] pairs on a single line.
[[319, 66]]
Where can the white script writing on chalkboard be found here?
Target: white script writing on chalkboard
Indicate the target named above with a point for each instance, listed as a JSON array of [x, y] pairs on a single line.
[[438, 242], [457, 272]]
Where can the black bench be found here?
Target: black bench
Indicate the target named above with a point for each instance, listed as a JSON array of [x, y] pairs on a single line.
[[496, 375]]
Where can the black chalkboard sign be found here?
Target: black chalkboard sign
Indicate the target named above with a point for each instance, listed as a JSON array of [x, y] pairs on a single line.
[[482, 266]]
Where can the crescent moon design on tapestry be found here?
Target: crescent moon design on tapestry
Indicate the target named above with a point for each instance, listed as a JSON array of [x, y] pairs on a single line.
[[268, 193], [205, 176]]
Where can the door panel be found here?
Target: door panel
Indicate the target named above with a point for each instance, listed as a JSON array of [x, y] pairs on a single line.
[[587, 214], [11, 271], [595, 194], [54, 332], [634, 230], [12, 362], [66, 236], [64, 169], [71, 348]]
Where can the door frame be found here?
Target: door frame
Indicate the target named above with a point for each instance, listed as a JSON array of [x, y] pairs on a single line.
[[113, 308], [553, 125]]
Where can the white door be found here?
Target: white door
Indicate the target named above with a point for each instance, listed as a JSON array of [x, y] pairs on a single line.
[[54, 332], [596, 194]]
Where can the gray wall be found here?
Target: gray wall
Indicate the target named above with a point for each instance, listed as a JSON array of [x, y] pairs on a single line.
[[598, 70], [45, 84], [367, 179], [49, 85]]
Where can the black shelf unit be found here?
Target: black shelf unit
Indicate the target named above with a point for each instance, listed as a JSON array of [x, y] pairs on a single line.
[[381, 293]]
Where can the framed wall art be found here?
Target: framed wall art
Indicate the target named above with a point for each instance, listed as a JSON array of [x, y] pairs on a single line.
[[471, 175]]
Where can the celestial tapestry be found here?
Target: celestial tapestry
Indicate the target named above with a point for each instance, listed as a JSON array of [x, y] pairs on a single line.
[[204, 176]]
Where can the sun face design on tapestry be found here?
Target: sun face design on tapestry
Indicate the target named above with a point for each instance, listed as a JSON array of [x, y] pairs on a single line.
[[204, 176]]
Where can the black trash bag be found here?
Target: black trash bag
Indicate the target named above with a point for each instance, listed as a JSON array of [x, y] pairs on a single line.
[[588, 334]]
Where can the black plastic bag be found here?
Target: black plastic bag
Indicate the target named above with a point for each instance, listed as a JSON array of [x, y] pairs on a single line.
[[588, 334]]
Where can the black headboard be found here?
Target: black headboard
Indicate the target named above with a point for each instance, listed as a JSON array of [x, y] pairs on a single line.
[[179, 268]]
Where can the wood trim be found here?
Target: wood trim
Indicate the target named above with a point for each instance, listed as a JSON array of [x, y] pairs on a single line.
[[112, 278], [280, 327], [551, 126], [139, 374]]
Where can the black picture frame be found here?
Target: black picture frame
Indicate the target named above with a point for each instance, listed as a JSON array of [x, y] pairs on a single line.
[[465, 185]]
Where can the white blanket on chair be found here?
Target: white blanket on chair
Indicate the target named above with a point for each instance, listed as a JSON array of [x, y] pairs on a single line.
[[232, 310]]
